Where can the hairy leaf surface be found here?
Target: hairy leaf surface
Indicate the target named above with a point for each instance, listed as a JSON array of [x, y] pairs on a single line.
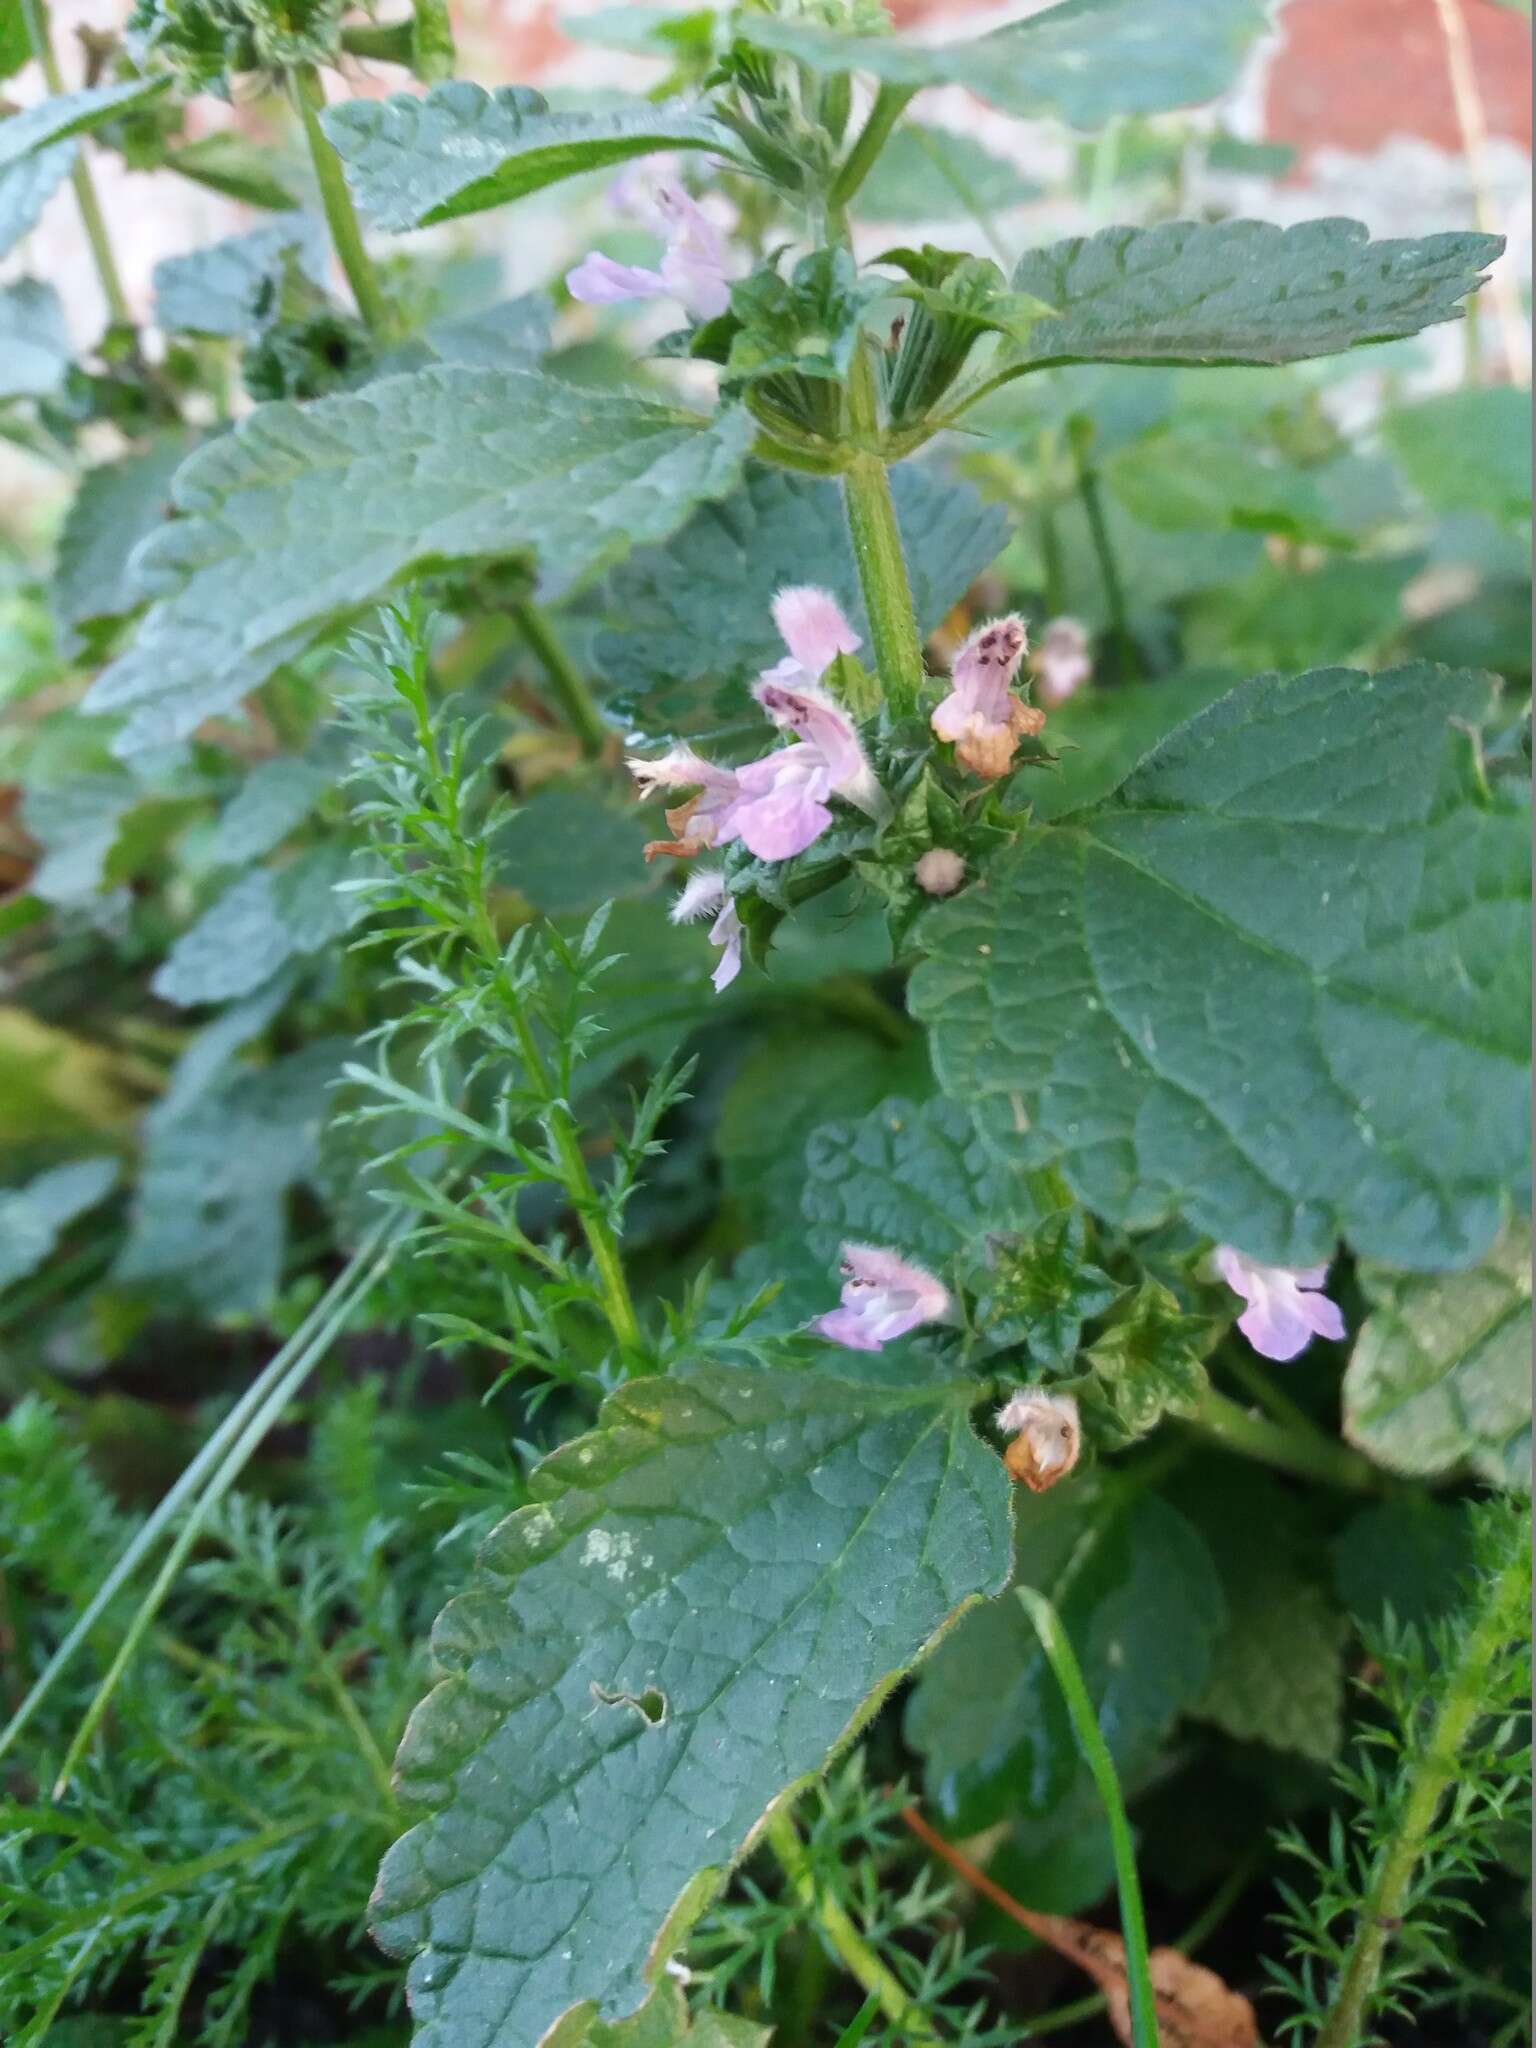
[[117, 505], [415, 160], [1084, 61], [715, 1587], [305, 513], [37, 148], [234, 287], [1440, 1377], [1241, 291], [1275, 985]]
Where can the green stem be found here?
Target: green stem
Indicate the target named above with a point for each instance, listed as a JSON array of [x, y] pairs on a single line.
[[1101, 1764], [856, 1953], [340, 214], [566, 682], [877, 550], [890, 104], [1429, 1776], [297, 1361], [1104, 549], [92, 219], [1288, 1447]]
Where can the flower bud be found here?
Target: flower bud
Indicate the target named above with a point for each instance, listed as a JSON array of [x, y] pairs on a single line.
[[1046, 1436], [939, 871]]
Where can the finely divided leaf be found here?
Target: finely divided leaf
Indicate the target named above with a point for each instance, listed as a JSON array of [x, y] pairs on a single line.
[[1440, 1377], [412, 161], [1241, 291], [715, 1588], [1084, 61], [1276, 985], [303, 514]]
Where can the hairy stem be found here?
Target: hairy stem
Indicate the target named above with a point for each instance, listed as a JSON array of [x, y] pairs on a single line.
[[859, 1958], [1289, 1447], [1101, 1765], [340, 214], [92, 219], [890, 104], [567, 684], [1429, 1776], [877, 550]]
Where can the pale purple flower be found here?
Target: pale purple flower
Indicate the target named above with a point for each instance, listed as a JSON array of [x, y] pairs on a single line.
[[1285, 1310], [883, 1298], [693, 266], [1062, 662], [939, 871], [981, 716], [705, 893], [812, 627], [699, 822]]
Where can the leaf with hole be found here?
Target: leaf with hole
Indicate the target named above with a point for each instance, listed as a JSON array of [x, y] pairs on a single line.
[[724, 1540]]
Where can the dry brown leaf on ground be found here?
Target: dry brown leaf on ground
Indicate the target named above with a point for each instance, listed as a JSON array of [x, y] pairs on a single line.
[[1195, 2009]]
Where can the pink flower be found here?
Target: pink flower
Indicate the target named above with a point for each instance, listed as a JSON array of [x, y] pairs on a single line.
[[693, 265], [883, 1298], [1285, 1311], [812, 627], [1062, 662], [698, 822], [981, 715], [939, 871], [703, 893]]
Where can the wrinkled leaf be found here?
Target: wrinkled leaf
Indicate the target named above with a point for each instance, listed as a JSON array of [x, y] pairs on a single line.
[[276, 796], [1084, 61], [260, 922], [32, 1218], [415, 160], [117, 505], [27, 185], [234, 287], [1241, 291], [569, 850], [1276, 985], [699, 1609], [1439, 1379], [303, 514]]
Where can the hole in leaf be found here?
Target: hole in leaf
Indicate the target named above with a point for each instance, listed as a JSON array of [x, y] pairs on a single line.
[[650, 1705]]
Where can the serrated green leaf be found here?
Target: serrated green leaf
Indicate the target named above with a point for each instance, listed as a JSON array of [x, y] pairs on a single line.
[[1149, 1362], [34, 341], [1241, 291], [1139, 1596], [458, 149], [662, 2022], [699, 607], [1084, 61], [1278, 1675], [1046, 1284], [303, 514], [260, 922], [1276, 985], [33, 1217], [1439, 1380], [77, 823], [208, 1211], [236, 166], [937, 175], [699, 1609], [276, 796], [1411, 1555], [27, 185], [1467, 451], [117, 505], [234, 287]]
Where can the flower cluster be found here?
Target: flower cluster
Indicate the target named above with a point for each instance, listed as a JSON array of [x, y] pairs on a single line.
[[1285, 1310], [694, 267], [981, 715]]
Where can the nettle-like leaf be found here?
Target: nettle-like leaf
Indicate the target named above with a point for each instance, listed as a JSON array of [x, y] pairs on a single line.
[[1140, 1599], [715, 1588], [276, 796], [117, 505], [698, 608], [1439, 1380], [1275, 985], [1084, 61], [662, 2022], [1241, 291], [939, 175], [33, 1217], [458, 149], [35, 351], [303, 514], [259, 923], [568, 850], [1467, 451], [37, 148], [234, 287]]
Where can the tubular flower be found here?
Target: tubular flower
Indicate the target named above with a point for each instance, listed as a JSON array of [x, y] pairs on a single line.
[[1062, 662], [702, 895], [693, 267], [779, 805], [1285, 1310], [883, 1298], [1046, 1434], [981, 715]]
